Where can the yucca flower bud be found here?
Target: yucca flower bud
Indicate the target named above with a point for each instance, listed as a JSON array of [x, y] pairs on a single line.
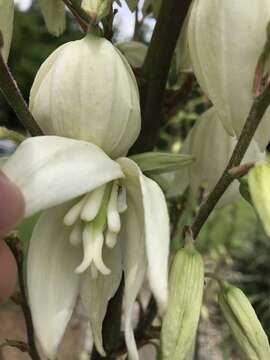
[[86, 90], [180, 322], [212, 148], [97, 9], [6, 25], [53, 12], [226, 39], [134, 51], [243, 322], [258, 181]]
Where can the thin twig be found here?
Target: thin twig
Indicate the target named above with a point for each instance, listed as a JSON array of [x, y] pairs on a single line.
[[15, 245], [15, 99], [255, 116], [81, 21], [156, 69]]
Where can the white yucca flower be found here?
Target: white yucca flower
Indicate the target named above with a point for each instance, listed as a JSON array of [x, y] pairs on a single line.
[[100, 215], [87, 90], [6, 25], [226, 38], [212, 148]]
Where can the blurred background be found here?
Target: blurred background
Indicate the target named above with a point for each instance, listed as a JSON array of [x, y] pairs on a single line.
[[233, 240]]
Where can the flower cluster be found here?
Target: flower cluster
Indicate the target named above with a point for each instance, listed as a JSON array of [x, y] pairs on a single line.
[[100, 216]]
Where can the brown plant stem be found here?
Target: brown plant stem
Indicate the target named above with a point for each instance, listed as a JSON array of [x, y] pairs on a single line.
[[255, 116], [15, 99], [156, 68], [15, 245]]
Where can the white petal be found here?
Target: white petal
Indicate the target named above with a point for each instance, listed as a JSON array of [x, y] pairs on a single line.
[[6, 24], [96, 293], [157, 238], [50, 170], [156, 228], [54, 15], [52, 284], [134, 263]]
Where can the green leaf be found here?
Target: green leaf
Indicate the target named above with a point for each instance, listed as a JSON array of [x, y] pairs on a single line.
[[154, 163]]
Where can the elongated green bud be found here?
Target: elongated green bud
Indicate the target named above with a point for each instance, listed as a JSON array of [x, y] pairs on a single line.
[[243, 322], [97, 9], [185, 299], [259, 180], [159, 162]]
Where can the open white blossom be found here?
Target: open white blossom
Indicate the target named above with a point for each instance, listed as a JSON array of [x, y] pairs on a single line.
[[86, 90], [100, 215], [6, 24], [225, 39], [212, 148]]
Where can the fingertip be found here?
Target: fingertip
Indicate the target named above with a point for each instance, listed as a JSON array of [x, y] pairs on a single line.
[[8, 272], [11, 204]]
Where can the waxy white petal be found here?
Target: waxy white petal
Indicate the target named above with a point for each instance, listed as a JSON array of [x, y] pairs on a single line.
[[157, 239], [6, 25], [52, 284], [134, 263], [54, 15], [96, 292], [156, 227], [50, 170]]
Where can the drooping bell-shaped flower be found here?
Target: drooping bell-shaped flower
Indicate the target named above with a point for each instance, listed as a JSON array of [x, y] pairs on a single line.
[[53, 12], [6, 25], [226, 39], [134, 51], [212, 148], [86, 90]]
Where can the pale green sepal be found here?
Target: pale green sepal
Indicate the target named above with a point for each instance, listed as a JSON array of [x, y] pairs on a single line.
[[259, 180], [180, 323], [243, 322], [97, 9], [54, 15], [244, 189], [158, 162], [6, 25]]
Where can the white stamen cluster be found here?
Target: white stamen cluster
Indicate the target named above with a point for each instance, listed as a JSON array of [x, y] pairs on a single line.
[[95, 218]]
